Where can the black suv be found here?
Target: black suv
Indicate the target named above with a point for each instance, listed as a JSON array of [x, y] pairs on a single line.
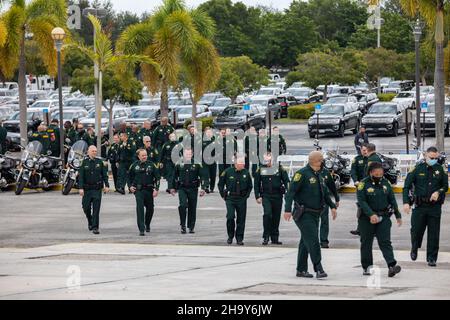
[[235, 117], [385, 117], [336, 119]]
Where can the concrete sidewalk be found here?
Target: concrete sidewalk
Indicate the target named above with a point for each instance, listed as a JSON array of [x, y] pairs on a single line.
[[145, 271]]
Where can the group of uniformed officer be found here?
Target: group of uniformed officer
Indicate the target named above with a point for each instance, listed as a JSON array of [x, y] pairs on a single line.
[[308, 198]]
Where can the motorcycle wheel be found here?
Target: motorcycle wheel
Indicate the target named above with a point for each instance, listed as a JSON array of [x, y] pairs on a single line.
[[68, 187], [20, 186]]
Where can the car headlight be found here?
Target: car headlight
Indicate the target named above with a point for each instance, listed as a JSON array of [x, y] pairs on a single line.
[[76, 163], [29, 163], [328, 164], [363, 120]]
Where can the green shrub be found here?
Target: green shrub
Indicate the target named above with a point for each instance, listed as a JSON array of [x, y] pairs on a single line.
[[206, 122], [303, 111], [386, 97]]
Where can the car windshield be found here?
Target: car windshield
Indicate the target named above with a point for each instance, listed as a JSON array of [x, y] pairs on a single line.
[[184, 110], [75, 103], [337, 100], [405, 95], [383, 108], [207, 98], [41, 104], [262, 102], [432, 108], [141, 113], [299, 93], [265, 92], [67, 115], [105, 114], [179, 102], [394, 85], [233, 112], [222, 103], [328, 109]]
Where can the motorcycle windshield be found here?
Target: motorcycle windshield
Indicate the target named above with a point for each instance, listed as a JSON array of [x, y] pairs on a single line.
[[78, 151], [33, 149], [331, 149]]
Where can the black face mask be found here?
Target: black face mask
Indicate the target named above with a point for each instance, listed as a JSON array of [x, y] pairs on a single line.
[[377, 179]]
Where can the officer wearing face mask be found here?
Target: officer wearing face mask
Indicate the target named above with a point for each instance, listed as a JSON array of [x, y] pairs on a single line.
[[377, 203], [425, 187]]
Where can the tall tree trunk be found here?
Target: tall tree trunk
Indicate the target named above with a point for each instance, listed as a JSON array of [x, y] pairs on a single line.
[[110, 129], [23, 92], [439, 80], [325, 94], [164, 98], [100, 99]]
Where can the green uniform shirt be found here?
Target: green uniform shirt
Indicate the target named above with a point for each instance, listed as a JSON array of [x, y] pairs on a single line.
[[161, 135], [113, 153], [127, 152], [90, 140], [227, 142], [235, 183], [308, 188], [93, 174], [329, 182], [374, 157], [43, 138], [282, 148], [358, 168], [166, 151], [72, 135], [134, 137], [376, 197], [268, 183], [426, 180], [210, 152], [189, 175], [153, 154], [144, 133], [144, 175], [3, 134], [54, 136]]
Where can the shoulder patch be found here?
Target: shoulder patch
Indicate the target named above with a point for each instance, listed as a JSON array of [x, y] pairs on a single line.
[[411, 170], [297, 177], [361, 186]]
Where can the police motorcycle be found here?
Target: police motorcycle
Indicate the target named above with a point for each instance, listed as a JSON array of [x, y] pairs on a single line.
[[337, 165], [391, 172], [70, 175], [37, 170], [8, 167]]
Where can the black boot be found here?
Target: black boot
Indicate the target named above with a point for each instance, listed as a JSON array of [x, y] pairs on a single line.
[[393, 270], [321, 274], [183, 230], [230, 240], [265, 241], [413, 254], [147, 229], [304, 274]]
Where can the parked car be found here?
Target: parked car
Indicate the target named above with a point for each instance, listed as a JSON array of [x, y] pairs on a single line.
[[304, 94], [86, 103], [175, 101], [268, 91], [361, 87], [145, 113], [350, 101], [339, 91], [430, 120], [33, 114], [35, 95], [366, 100], [119, 116], [398, 86], [9, 85], [70, 113], [5, 112], [209, 98], [50, 105], [268, 103], [298, 84], [406, 99], [285, 100], [384, 82], [13, 141], [150, 102], [385, 117], [185, 112], [335, 119], [219, 105], [235, 117]]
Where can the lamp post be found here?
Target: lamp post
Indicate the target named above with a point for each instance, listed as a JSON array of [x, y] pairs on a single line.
[[99, 13], [417, 31], [58, 36]]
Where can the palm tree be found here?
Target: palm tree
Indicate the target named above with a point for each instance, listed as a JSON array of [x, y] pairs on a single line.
[[178, 39], [37, 19], [106, 58]]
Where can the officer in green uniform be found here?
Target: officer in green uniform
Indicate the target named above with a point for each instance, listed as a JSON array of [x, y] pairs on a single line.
[[228, 147], [324, 216], [135, 137], [73, 131], [372, 156], [42, 136], [235, 186], [208, 154], [271, 183], [251, 150], [93, 177], [127, 155], [377, 203], [152, 153], [90, 137], [144, 180], [310, 194], [358, 172], [186, 180], [54, 136], [3, 135], [145, 131], [166, 165], [282, 148], [104, 143], [113, 158], [161, 133], [428, 184]]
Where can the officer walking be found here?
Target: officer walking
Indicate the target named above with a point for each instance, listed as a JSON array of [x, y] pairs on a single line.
[[54, 136], [208, 158], [235, 186], [127, 155], [161, 133], [93, 177], [428, 184], [113, 158], [271, 184], [167, 166], [310, 195], [358, 173], [145, 131], [251, 150], [3, 135], [228, 145], [372, 156], [90, 137], [152, 152], [72, 132], [144, 180], [282, 148], [377, 203], [187, 178], [324, 216], [361, 138]]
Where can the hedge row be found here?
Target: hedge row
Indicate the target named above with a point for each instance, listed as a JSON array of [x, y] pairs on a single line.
[[386, 97], [206, 122], [303, 111]]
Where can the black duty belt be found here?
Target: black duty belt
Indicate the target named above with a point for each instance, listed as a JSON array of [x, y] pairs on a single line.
[[96, 186], [313, 210], [144, 187]]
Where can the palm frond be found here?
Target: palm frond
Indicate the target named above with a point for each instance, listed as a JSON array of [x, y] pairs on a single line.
[[151, 76], [204, 24], [166, 51], [57, 8], [13, 20], [3, 33], [182, 30], [136, 38], [41, 30]]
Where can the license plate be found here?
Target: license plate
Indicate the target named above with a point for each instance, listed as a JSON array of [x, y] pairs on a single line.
[[321, 131]]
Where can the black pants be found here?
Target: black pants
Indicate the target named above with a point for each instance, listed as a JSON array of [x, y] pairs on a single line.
[[91, 203], [114, 173]]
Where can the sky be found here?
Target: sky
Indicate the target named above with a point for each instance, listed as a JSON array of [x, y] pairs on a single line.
[[140, 6]]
